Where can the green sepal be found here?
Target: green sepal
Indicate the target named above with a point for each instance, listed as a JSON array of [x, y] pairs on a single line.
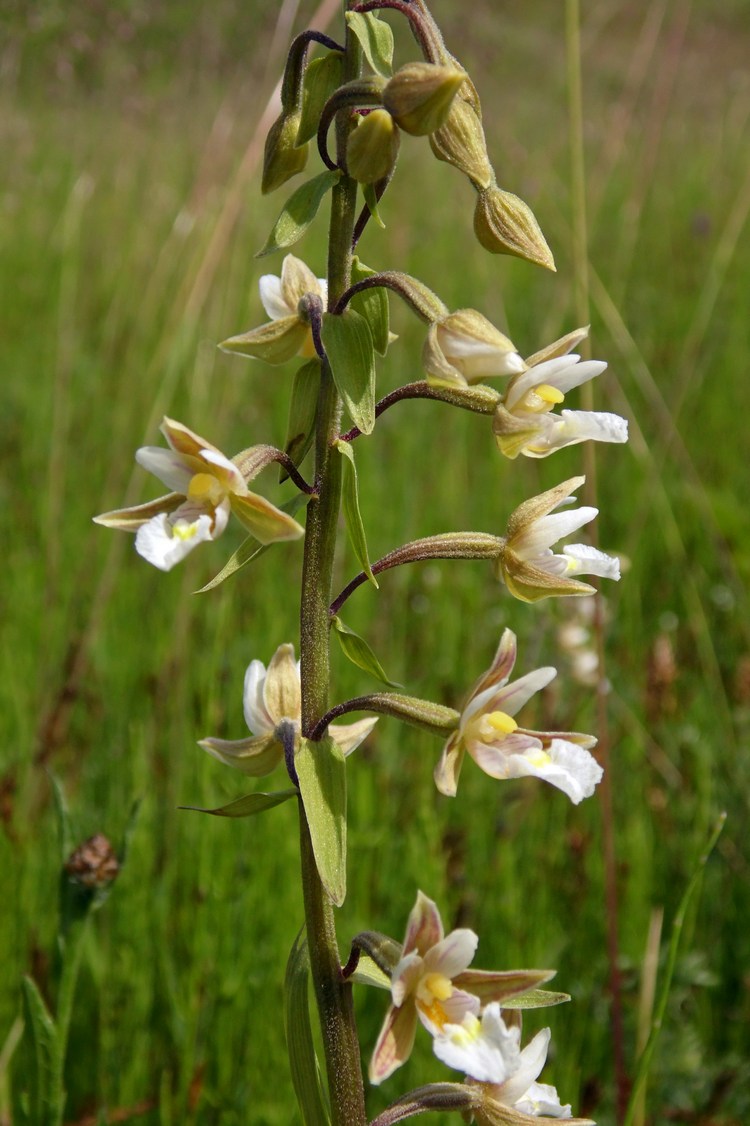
[[46, 1043], [536, 999], [322, 78], [298, 212], [250, 549], [303, 405], [303, 1062], [375, 38], [371, 199], [369, 973], [347, 341], [321, 770], [247, 806], [352, 514], [372, 304], [360, 653]]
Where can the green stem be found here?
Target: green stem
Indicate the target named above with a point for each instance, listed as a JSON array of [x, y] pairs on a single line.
[[71, 963], [333, 994]]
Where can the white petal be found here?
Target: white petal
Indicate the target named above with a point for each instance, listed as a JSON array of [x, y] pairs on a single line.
[[167, 465], [231, 477], [348, 736], [256, 715], [486, 1052], [272, 299], [160, 543], [513, 696], [565, 765], [528, 1066], [543, 1100], [542, 533], [453, 954], [585, 560], [597, 426]]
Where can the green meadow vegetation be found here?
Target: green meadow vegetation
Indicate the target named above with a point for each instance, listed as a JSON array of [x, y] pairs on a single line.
[[130, 211]]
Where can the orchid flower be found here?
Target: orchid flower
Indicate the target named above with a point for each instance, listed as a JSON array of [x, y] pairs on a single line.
[[271, 695], [525, 422], [431, 983], [464, 347], [207, 487], [527, 564], [488, 731]]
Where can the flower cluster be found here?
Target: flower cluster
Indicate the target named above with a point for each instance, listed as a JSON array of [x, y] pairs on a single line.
[[462, 1009]]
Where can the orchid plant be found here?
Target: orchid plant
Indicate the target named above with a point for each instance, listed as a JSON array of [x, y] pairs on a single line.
[[337, 325]]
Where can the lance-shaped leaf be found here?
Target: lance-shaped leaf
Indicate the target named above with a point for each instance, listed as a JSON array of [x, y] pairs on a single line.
[[46, 1043], [375, 38], [247, 806], [536, 999], [348, 344], [352, 514], [302, 407], [372, 304], [303, 1062], [321, 770], [250, 549], [359, 652], [322, 78], [298, 212]]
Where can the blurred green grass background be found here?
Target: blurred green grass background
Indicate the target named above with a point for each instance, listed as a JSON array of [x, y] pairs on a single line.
[[129, 216]]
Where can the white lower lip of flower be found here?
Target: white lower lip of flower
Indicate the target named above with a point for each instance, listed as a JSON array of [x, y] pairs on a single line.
[[165, 544], [585, 560]]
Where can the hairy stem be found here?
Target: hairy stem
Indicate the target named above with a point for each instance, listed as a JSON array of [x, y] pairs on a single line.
[[333, 994]]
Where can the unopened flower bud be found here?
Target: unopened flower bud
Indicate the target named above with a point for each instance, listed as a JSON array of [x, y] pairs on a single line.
[[460, 141], [372, 148], [93, 864], [504, 224], [465, 347], [282, 159], [420, 95]]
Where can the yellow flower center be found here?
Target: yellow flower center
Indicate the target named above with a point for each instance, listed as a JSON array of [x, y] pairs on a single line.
[[183, 530], [486, 728], [541, 399], [433, 989], [205, 487]]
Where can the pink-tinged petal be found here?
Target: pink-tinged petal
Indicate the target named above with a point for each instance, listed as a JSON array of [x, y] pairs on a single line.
[[282, 694], [453, 1010], [453, 954], [256, 713], [131, 519], [512, 697], [448, 768], [500, 986], [394, 1043], [255, 757], [264, 520], [170, 467], [272, 298], [225, 471], [424, 927], [184, 440], [495, 759], [165, 545], [501, 667], [529, 1065], [348, 736], [406, 976]]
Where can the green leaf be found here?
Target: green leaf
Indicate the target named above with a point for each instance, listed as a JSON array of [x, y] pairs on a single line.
[[247, 806], [360, 653], [352, 514], [303, 1062], [298, 212], [321, 770], [372, 304], [348, 344], [46, 1043], [64, 827], [303, 405], [322, 77], [250, 549], [375, 38], [535, 999]]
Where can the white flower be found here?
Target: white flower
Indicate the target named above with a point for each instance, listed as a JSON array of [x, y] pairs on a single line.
[[271, 695], [488, 731], [527, 564], [524, 421], [464, 347]]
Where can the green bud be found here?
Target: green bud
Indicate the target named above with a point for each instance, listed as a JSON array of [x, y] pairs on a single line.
[[420, 95], [372, 148], [281, 158], [460, 142], [504, 224]]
